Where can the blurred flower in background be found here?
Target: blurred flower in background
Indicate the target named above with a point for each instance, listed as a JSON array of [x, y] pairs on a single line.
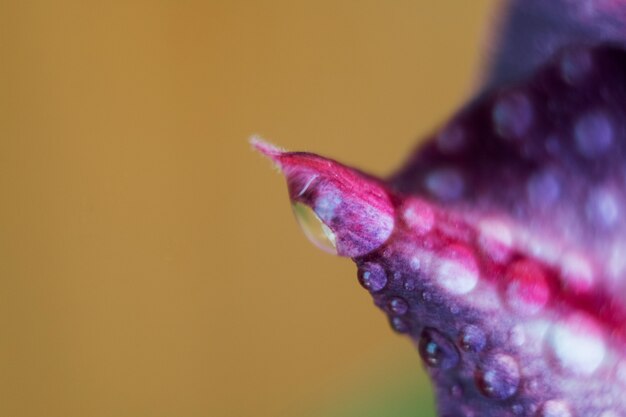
[[149, 263]]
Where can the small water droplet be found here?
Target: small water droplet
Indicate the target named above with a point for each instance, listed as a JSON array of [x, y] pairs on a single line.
[[543, 189], [410, 284], [436, 350], [498, 377], [419, 216], [399, 325], [398, 306], [555, 408], [512, 116], [575, 65], [456, 391], [593, 133], [518, 409], [602, 208], [427, 296], [472, 338], [527, 290], [314, 229], [447, 184], [451, 139], [576, 272], [517, 336], [456, 270], [495, 239], [372, 276]]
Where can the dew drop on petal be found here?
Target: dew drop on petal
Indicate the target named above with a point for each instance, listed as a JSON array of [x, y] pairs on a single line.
[[457, 271], [456, 391], [472, 338], [436, 350], [602, 209], [398, 306], [575, 65], [447, 184], [555, 408], [314, 229], [498, 377], [593, 133], [576, 273], [495, 239], [527, 290], [512, 116], [399, 325], [410, 284], [451, 139], [372, 276], [577, 344], [543, 189], [418, 216]]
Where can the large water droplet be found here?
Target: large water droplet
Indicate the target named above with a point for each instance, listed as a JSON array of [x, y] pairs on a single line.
[[577, 344], [472, 338], [314, 229], [498, 377], [372, 276], [436, 350], [398, 306]]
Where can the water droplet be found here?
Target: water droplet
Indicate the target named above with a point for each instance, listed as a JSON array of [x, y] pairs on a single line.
[[576, 272], [372, 276], [436, 350], [418, 215], [593, 133], [451, 139], [527, 290], [456, 391], [577, 344], [472, 338], [415, 263], [512, 116], [518, 409], [314, 229], [555, 408], [495, 239], [456, 270], [427, 296], [602, 209], [447, 184], [575, 65], [498, 377], [398, 306], [543, 189], [517, 336], [410, 284], [399, 325]]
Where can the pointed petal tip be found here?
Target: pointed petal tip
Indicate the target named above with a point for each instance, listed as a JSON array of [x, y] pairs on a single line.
[[268, 149]]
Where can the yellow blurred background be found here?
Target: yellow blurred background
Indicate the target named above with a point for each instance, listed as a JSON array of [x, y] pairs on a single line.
[[149, 261]]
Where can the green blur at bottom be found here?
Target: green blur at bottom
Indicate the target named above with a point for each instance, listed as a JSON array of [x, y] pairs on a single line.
[[399, 393]]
